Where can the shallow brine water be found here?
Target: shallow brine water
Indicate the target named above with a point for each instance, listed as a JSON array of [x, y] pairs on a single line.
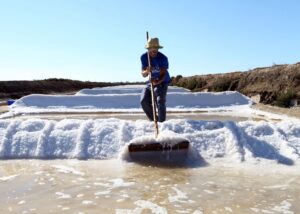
[[116, 186]]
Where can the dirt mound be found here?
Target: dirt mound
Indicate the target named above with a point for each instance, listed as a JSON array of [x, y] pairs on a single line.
[[17, 89], [271, 85]]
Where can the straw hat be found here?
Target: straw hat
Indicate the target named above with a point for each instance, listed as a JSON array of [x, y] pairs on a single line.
[[153, 43]]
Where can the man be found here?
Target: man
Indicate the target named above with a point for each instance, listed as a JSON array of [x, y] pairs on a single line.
[[160, 79]]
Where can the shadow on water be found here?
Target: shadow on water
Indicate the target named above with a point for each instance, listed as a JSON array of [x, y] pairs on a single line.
[[187, 158]]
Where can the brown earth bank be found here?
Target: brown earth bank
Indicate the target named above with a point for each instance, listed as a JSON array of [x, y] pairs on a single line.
[[276, 85], [293, 112], [18, 89]]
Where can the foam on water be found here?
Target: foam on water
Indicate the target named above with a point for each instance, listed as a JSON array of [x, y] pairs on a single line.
[[106, 139], [8, 178], [144, 205]]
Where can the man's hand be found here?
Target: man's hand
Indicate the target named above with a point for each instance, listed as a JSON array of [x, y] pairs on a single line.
[[155, 82], [146, 72]]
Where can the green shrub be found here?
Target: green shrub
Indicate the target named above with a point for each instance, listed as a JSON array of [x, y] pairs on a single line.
[[284, 99], [192, 83]]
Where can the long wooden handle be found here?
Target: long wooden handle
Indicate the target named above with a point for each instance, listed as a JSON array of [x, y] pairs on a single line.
[[152, 93]]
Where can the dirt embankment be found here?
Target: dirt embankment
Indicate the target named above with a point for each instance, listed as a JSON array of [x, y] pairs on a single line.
[[272, 85], [17, 89], [293, 112], [275, 85]]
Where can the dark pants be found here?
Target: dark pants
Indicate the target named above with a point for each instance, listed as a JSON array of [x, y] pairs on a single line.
[[160, 92]]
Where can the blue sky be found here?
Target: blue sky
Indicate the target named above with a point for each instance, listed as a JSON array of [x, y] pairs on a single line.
[[102, 40]]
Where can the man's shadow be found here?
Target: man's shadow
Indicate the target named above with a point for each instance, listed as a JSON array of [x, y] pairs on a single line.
[[187, 158]]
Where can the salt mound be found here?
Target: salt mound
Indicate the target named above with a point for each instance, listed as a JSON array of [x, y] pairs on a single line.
[[236, 142]]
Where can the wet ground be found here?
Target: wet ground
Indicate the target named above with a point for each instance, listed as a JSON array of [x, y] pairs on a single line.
[[134, 116], [292, 112], [200, 115], [116, 186], [197, 115], [3, 108]]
